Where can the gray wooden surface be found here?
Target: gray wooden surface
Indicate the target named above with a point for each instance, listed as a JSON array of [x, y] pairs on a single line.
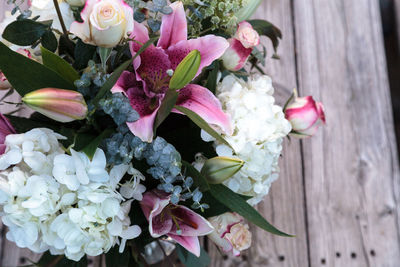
[[339, 191]]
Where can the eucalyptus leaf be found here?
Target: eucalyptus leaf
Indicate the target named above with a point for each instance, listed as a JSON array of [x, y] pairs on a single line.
[[59, 65], [199, 121], [198, 179], [24, 32], [35, 75]]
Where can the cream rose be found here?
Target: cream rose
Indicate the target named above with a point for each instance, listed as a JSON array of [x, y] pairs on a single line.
[[247, 35], [105, 22], [230, 233]]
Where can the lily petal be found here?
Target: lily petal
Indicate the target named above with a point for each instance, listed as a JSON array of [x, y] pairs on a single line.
[[204, 103], [191, 243], [140, 35], [173, 26], [190, 223], [211, 47]]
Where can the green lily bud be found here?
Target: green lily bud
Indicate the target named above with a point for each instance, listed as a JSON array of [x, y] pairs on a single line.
[[186, 70], [248, 10], [218, 169]]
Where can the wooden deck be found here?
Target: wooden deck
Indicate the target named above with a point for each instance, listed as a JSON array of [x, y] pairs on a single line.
[[339, 191]]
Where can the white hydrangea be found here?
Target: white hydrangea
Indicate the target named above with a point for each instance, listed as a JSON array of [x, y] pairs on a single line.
[[259, 127], [66, 204]]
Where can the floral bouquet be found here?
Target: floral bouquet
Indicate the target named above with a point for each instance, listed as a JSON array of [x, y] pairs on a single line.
[[151, 124]]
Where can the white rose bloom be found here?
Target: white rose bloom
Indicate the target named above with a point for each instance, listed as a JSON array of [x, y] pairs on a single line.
[[259, 128], [77, 211]]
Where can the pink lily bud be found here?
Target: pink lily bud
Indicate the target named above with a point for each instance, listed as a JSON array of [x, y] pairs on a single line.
[[240, 47], [4, 84], [5, 129], [305, 115], [230, 233], [57, 104]]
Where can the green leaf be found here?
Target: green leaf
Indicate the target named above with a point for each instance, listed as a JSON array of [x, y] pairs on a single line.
[[90, 149], [212, 77], [117, 73], [266, 28], [203, 124], [60, 261], [27, 75], [116, 259], [24, 32], [198, 179], [82, 54], [190, 260], [166, 106], [49, 41], [248, 10], [237, 204], [59, 65], [186, 70]]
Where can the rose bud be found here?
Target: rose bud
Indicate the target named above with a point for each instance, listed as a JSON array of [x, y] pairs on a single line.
[[230, 233], [57, 104], [240, 47], [76, 3], [4, 83], [5, 129], [305, 115], [105, 23], [218, 169]]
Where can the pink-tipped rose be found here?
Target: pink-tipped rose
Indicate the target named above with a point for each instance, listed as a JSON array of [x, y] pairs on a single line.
[[105, 22], [305, 115], [240, 47], [230, 234], [178, 222], [57, 104], [5, 129], [4, 83]]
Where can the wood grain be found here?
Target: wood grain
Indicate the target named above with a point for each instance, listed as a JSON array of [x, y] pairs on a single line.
[[351, 166]]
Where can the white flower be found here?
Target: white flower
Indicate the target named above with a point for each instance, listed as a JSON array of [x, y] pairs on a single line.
[[259, 128], [133, 188], [78, 169], [77, 211]]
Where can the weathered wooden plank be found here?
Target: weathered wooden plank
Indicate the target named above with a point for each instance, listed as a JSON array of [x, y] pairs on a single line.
[[284, 205], [351, 167]]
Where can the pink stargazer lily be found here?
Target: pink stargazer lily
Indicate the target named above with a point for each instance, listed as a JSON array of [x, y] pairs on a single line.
[[5, 129], [178, 222], [146, 87]]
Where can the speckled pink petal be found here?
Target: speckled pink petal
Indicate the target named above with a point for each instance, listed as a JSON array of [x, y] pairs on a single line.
[[147, 109], [190, 223], [173, 26], [153, 71], [140, 35], [204, 103], [211, 47], [191, 243]]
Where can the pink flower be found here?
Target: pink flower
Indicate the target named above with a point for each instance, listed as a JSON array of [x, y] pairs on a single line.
[[57, 104], [5, 129], [105, 22], [4, 83], [240, 47], [146, 87], [247, 35], [230, 233], [178, 222], [305, 115]]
